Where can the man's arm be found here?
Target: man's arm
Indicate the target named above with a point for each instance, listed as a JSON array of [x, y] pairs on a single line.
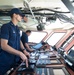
[[23, 49], [21, 46], [9, 49], [27, 46]]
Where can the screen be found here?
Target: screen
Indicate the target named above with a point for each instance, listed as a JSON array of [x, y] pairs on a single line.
[[37, 46]]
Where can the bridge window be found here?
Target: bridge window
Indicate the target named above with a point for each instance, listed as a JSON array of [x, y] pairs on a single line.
[[37, 37], [55, 37], [68, 41]]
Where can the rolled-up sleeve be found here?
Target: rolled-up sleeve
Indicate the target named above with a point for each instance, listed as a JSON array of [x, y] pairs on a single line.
[[5, 32]]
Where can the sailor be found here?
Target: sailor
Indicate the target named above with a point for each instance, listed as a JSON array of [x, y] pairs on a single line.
[[12, 48], [24, 39]]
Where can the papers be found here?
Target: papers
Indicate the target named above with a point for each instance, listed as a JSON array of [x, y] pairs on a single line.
[[43, 56]]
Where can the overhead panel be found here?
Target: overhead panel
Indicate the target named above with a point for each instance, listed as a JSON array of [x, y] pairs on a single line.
[[7, 4], [69, 5]]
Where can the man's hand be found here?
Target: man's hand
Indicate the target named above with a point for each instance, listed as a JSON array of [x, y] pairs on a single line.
[[31, 50], [24, 58], [26, 53]]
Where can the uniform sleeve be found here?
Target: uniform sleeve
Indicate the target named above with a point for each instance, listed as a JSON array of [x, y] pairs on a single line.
[[0, 33], [25, 38], [4, 32]]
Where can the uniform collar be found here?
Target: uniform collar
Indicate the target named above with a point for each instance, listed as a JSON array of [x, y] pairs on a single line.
[[13, 24]]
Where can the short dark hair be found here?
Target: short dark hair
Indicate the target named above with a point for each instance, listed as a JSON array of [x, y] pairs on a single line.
[[11, 15], [28, 31]]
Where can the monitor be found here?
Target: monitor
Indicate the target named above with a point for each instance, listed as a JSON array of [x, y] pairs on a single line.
[[37, 46]]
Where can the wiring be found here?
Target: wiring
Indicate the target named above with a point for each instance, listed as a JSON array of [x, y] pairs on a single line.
[[64, 18]]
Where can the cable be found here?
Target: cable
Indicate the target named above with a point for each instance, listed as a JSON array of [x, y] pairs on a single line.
[[64, 17], [29, 8]]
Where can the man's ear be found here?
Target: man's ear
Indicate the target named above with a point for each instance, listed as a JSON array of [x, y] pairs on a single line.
[[14, 15]]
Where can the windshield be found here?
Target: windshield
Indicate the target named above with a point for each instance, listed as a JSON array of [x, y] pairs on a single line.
[[65, 44], [55, 37], [37, 37]]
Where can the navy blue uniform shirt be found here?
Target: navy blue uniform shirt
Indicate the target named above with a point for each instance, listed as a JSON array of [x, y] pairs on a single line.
[[24, 38], [11, 33]]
